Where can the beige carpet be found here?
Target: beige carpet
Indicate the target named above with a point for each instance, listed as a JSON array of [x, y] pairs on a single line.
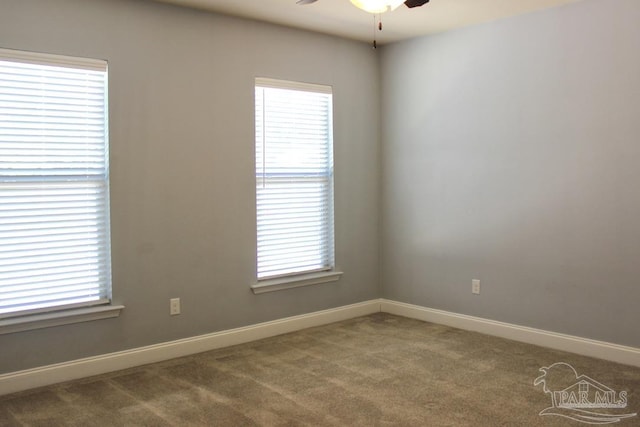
[[378, 370]]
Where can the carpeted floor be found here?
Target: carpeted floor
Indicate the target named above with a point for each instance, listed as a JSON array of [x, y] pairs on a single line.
[[378, 370]]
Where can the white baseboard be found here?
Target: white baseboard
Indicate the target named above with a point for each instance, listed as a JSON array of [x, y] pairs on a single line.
[[66, 371], [46, 375], [569, 343]]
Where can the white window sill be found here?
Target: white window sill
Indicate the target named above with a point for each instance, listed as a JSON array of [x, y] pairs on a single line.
[[291, 282], [63, 317]]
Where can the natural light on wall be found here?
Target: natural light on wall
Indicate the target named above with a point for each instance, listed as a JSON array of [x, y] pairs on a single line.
[[377, 6]]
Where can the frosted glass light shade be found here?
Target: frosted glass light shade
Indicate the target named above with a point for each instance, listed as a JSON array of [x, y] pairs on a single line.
[[377, 6]]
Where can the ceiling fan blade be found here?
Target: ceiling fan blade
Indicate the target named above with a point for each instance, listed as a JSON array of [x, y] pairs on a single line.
[[301, 2], [416, 3]]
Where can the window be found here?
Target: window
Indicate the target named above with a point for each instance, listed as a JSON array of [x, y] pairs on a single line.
[[294, 180], [54, 184]]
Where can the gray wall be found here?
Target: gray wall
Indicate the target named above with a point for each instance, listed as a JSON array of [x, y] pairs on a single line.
[[183, 190], [511, 155]]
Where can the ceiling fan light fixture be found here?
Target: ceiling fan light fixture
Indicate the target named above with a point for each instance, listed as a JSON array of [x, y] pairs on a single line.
[[377, 6]]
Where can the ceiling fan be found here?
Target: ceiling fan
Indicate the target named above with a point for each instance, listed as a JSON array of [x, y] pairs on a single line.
[[377, 6]]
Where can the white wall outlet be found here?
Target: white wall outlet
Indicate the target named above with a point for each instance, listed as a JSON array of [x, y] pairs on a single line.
[[174, 306], [475, 286]]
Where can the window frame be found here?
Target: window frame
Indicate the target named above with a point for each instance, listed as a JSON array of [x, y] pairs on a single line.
[[66, 312], [319, 275]]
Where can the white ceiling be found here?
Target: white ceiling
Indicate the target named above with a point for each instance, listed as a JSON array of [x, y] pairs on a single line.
[[341, 18]]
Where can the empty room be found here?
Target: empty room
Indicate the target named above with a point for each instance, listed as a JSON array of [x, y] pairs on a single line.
[[330, 212]]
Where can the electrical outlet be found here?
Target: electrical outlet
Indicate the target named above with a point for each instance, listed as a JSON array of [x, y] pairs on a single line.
[[174, 306], [475, 286]]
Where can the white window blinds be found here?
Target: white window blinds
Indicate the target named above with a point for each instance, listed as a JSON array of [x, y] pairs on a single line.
[[294, 178], [54, 183]]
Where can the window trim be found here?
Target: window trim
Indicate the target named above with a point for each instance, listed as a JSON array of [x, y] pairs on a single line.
[[303, 278], [76, 312], [295, 281], [16, 55], [57, 318]]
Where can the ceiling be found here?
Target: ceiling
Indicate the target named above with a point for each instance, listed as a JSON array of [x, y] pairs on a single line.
[[341, 18]]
